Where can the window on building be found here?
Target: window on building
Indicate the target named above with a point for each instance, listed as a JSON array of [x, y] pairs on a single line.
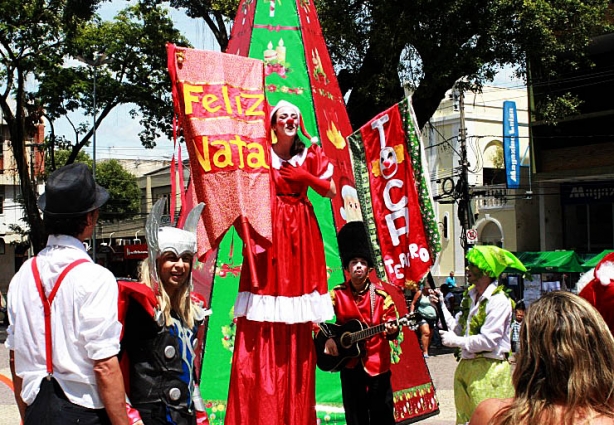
[[493, 169], [493, 176], [589, 227]]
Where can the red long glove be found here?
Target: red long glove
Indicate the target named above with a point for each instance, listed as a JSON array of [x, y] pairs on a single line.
[[299, 174]]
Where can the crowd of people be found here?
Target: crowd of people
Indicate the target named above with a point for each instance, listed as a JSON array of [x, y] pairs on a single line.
[[557, 345], [86, 349]]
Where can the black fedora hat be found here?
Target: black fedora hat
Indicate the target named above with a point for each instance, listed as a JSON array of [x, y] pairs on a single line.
[[71, 191]]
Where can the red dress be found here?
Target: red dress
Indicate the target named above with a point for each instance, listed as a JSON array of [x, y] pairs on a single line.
[[273, 369]]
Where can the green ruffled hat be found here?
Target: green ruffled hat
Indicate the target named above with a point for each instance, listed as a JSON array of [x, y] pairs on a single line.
[[492, 260]]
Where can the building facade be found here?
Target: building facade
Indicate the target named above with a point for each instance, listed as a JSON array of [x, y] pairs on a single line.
[[121, 245], [500, 216], [574, 158], [13, 244]]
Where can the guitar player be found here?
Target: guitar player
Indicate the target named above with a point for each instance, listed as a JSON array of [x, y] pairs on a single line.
[[365, 380]]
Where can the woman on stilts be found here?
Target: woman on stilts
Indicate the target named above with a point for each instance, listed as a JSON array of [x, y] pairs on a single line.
[[273, 371]]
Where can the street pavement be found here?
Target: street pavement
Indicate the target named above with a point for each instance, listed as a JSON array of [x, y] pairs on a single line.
[[441, 364], [9, 415]]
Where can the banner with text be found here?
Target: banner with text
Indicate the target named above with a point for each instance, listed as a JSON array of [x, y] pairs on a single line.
[[511, 145], [393, 192], [220, 101]]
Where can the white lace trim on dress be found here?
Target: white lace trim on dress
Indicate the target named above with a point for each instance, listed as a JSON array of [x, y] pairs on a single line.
[[314, 307]]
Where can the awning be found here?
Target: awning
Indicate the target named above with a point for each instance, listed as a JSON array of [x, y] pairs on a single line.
[[550, 262], [589, 264]]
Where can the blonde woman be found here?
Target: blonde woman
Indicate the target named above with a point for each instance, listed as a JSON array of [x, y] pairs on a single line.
[[565, 368], [161, 327]]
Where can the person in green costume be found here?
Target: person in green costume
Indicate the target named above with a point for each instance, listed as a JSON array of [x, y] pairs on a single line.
[[481, 331]]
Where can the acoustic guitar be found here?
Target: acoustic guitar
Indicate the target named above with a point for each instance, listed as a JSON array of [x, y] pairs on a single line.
[[348, 337]]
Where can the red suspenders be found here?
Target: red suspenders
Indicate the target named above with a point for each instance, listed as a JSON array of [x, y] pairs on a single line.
[[47, 303]]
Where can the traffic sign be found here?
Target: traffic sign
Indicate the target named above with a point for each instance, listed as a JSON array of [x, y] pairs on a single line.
[[472, 236]]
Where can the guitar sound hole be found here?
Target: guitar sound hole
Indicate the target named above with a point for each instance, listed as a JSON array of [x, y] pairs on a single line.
[[346, 340]]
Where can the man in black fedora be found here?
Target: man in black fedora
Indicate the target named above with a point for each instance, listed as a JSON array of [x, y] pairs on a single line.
[[365, 381], [64, 333]]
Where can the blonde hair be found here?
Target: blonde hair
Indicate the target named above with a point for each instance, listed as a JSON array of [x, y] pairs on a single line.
[[565, 366], [181, 302]]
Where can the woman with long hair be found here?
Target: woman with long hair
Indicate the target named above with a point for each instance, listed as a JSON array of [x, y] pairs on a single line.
[[273, 369], [161, 323], [565, 368]]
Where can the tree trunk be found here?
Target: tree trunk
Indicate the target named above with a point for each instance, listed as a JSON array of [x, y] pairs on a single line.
[[17, 129]]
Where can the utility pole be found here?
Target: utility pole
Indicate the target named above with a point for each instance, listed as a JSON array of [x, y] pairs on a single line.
[[464, 207], [98, 60]]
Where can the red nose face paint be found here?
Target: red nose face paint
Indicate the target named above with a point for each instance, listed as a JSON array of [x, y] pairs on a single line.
[[290, 121]]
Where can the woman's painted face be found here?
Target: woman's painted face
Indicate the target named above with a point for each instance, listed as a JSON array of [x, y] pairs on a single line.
[[174, 270], [286, 121]]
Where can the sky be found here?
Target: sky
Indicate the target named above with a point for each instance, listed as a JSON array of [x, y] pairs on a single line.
[[117, 136]]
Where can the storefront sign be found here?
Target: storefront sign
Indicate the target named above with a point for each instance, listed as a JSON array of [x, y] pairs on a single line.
[[587, 192], [135, 252]]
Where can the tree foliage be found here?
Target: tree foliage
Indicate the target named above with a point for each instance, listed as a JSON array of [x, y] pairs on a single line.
[[134, 44], [428, 46], [125, 195], [60, 158], [36, 39], [217, 14], [31, 37]]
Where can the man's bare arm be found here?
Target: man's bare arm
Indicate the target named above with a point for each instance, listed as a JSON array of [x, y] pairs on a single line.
[[17, 383], [111, 387]]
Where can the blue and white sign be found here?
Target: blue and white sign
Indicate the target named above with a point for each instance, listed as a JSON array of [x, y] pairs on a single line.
[[511, 145]]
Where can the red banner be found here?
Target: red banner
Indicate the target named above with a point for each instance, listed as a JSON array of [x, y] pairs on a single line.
[[220, 101], [395, 200]]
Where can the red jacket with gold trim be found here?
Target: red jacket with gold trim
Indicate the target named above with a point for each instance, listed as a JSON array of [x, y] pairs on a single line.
[[349, 305]]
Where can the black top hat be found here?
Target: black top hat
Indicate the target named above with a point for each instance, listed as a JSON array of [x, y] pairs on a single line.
[[71, 191], [354, 243]]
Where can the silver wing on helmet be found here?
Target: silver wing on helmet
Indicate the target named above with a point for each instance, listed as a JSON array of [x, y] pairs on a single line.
[[152, 226], [191, 222]]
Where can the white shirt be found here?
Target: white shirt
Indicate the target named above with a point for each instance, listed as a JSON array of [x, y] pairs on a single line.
[[493, 341], [83, 321]]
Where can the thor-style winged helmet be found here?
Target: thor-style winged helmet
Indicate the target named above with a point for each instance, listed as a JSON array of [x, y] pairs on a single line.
[[162, 239]]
